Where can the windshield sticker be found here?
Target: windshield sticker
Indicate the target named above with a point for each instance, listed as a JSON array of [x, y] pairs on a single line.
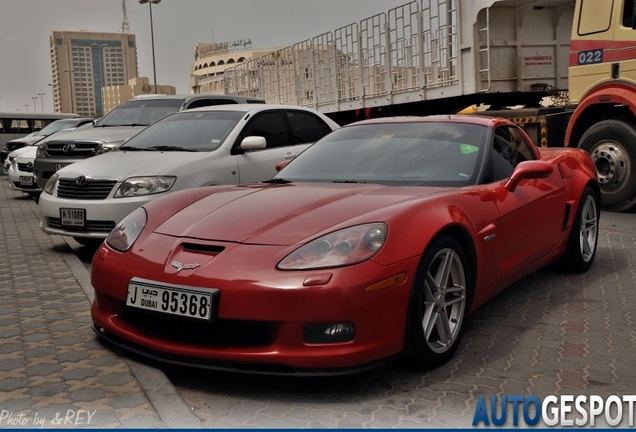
[[468, 149], [463, 176]]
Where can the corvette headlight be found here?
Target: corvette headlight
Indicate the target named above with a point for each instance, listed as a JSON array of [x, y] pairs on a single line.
[[137, 186], [41, 151], [341, 248], [124, 235], [50, 185]]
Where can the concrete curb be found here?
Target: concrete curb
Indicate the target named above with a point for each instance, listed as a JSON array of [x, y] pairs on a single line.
[[168, 403]]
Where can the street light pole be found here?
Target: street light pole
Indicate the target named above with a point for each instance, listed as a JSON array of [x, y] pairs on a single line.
[[42, 100], [152, 39], [27, 107], [35, 98]]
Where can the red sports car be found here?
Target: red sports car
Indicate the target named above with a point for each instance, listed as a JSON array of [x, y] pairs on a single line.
[[374, 243]]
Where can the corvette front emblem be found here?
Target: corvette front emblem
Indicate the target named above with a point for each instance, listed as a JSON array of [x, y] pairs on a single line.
[[180, 266]]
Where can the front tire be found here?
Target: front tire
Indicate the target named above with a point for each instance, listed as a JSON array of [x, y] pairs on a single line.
[[583, 239], [439, 303], [612, 145]]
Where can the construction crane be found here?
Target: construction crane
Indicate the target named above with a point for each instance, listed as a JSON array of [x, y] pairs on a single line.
[[125, 26]]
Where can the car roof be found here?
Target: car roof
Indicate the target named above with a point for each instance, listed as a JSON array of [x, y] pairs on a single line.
[[188, 97], [249, 108]]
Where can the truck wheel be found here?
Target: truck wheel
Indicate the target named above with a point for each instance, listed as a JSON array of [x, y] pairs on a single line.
[[612, 145]]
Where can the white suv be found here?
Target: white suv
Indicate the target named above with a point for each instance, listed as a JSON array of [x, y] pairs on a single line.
[[228, 144]]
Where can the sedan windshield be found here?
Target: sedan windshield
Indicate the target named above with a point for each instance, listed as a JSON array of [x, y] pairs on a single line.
[[141, 112], [418, 153], [186, 131]]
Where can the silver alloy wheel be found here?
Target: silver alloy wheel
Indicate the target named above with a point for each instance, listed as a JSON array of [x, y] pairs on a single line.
[[588, 232], [444, 300]]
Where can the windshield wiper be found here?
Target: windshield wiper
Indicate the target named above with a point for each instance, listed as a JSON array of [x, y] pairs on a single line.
[[277, 180], [131, 148], [170, 148], [348, 181]]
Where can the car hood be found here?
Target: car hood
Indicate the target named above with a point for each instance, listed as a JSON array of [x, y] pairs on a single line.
[[27, 140], [119, 165], [286, 214], [99, 134], [24, 153]]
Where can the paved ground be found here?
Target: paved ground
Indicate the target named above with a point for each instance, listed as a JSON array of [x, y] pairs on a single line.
[[53, 371], [552, 333]]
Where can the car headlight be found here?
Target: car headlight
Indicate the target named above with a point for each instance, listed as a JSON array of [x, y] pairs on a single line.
[[50, 185], [41, 151], [137, 186], [109, 146], [124, 235], [341, 248]]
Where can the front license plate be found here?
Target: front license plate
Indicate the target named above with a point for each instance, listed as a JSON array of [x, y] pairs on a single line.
[[72, 217], [170, 301], [60, 166], [26, 181]]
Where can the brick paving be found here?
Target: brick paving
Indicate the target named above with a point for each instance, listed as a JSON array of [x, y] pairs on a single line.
[[53, 371]]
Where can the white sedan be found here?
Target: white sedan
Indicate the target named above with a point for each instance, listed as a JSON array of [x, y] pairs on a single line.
[[228, 144], [20, 171]]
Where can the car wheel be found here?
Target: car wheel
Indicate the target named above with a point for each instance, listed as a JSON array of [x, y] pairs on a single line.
[[583, 239], [439, 303], [610, 143]]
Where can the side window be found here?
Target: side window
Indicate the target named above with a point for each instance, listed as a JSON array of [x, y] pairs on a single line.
[[19, 126], [508, 149], [199, 103], [269, 125], [306, 127]]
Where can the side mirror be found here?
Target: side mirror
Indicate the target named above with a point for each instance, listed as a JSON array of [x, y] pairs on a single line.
[[282, 164], [253, 143], [528, 170]]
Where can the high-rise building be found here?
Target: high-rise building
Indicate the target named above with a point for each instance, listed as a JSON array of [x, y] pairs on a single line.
[[84, 62]]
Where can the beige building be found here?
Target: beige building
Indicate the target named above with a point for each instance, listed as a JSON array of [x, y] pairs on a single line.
[[84, 62], [211, 59], [114, 95]]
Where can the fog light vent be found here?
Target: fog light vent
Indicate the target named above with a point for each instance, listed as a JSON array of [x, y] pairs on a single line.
[[329, 333]]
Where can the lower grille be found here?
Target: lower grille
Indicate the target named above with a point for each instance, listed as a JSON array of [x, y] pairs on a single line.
[[20, 186], [219, 333], [91, 226]]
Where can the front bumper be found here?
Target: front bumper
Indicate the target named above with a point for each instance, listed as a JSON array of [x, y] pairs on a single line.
[[101, 216], [256, 297]]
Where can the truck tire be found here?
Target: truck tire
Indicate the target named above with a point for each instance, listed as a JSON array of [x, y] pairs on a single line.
[[612, 145]]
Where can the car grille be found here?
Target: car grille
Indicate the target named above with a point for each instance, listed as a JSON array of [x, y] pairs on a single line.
[[219, 333], [91, 226], [25, 167], [90, 190], [70, 149]]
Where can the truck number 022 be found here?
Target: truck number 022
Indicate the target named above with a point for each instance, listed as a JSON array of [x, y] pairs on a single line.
[[590, 57]]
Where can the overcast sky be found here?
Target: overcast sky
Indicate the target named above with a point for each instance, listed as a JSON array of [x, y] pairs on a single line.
[[25, 27]]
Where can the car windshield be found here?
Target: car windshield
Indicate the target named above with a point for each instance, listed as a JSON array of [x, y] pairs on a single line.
[[418, 153], [51, 128], [140, 112], [190, 131]]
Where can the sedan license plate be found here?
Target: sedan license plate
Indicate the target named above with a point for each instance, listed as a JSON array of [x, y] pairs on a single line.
[[26, 181], [59, 166], [170, 301], [72, 217]]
